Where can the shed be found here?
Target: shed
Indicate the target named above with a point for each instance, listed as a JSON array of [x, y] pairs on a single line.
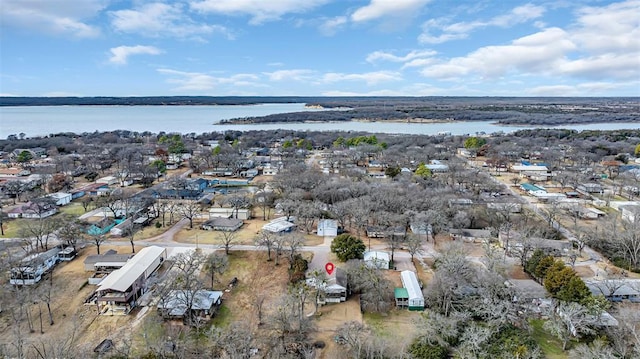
[[410, 283], [375, 259], [67, 254], [108, 180], [228, 212], [327, 227]]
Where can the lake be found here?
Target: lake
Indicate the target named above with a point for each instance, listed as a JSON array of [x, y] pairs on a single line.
[[44, 120]]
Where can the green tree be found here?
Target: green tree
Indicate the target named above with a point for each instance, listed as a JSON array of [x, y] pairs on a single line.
[[287, 144], [423, 171], [533, 262], [637, 151], [346, 247], [574, 291], [541, 269], [24, 156], [392, 171], [558, 276], [474, 142]]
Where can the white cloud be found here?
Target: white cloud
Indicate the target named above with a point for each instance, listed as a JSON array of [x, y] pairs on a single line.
[[370, 78], [387, 8], [198, 81], [290, 75], [385, 56], [260, 10], [158, 19], [538, 53], [444, 31], [59, 17], [331, 26], [120, 54], [583, 89]]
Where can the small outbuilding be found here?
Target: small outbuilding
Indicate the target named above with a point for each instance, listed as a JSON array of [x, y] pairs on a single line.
[[375, 259], [327, 228], [279, 225], [61, 198]]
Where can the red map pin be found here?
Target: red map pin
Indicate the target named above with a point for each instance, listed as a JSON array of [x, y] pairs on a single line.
[[329, 267]]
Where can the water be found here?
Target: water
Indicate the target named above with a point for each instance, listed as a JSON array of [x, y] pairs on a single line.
[[37, 121]]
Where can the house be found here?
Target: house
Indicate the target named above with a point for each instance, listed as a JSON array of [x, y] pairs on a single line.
[[32, 267], [527, 290], [414, 299], [61, 198], [228, 212], [119, 292], [250, 173], [222, 224], [33, 211], [437, 167], [375, 259], [327, 228], [279, 225], [470, 235], [512, 242], [460, 202], [103, 264], [586, 212], [590, 188], [190, 306], [616, 290], [334, 290], [465, 153]]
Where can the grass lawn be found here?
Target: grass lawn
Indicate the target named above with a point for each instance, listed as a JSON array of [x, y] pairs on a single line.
[[550, 345], [73, 208], [11, 227]]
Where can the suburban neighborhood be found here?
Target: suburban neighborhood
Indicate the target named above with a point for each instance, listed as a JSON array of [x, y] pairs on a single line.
[[322, 245]]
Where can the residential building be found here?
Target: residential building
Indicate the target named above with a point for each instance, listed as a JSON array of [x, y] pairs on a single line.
[[376, 259], [190, 306], [414, 298], [327, 228], [32, 267], [222, 224]]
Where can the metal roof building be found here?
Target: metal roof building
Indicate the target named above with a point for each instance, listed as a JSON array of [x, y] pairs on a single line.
[[410, 282]]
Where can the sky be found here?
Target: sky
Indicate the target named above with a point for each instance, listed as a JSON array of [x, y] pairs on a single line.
[[319, 48]]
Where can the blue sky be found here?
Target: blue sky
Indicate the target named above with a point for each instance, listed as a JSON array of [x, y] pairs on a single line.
[[320, 47]]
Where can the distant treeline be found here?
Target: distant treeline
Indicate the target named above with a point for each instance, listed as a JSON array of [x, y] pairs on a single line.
[[502, 110]]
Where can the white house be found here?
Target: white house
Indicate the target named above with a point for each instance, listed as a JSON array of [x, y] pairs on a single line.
[[279, 225], [375, 259], [327, 228], [61, 198], [415, 296]]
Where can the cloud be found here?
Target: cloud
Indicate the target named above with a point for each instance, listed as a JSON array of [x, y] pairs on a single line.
[[290, 75], [600, 45], [58, 17], [330, 26], [260, 10], [461, 30], [385, 56], [387, 8], [370, 78], [120, 54], [159, 19], [534, 53], [198, 81], [583, 89]]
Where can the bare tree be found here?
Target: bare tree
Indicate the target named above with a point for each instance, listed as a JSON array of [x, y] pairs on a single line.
[[215, 264], [292, 243], [227, 238], [189, 210], [266, 239], [97, 239], [70, 231], [375, 290], [570, 320], [40, 230]]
